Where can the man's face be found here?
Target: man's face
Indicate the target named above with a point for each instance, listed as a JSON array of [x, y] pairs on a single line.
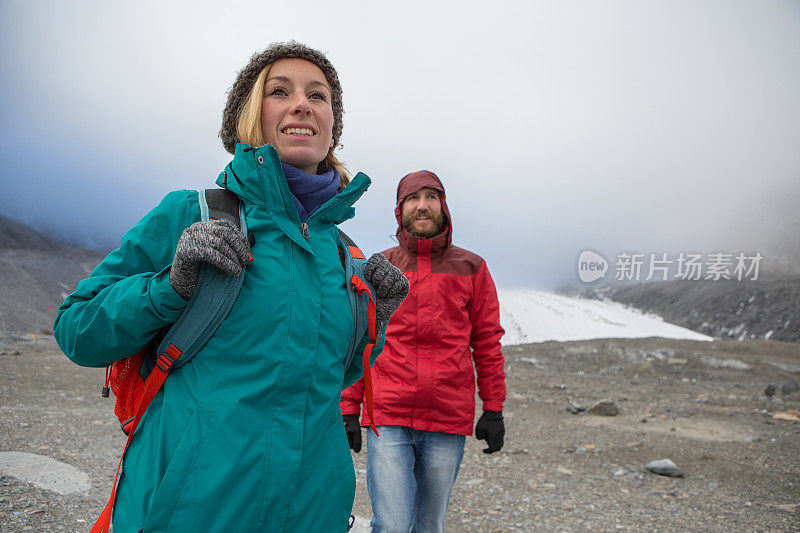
[[421, 213]]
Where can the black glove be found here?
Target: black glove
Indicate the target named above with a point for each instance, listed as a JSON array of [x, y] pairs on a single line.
[[391, 286], [353, 430], [490, 428], [217, 242]]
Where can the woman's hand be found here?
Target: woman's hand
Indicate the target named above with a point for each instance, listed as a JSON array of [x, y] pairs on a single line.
[[217, 242], [391, 286]]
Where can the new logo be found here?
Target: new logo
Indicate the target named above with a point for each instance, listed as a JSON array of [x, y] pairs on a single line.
[[591, 266]]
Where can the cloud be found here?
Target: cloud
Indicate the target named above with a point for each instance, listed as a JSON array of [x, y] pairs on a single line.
[[554, 126]]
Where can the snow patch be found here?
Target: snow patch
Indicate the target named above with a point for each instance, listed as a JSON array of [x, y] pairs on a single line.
[[538, 316], [724, 363], [787, 367]]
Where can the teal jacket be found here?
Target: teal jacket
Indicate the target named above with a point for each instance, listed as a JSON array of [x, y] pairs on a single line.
[[248, 436]]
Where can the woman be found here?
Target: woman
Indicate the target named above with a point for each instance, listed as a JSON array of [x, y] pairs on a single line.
[[248, 435]]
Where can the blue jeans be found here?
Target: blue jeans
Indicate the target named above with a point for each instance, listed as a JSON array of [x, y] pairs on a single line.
[[410, 474]]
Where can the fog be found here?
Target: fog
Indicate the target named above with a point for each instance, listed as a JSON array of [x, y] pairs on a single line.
[[555, 126]]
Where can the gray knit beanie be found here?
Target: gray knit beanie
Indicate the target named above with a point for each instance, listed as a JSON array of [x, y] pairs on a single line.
[[247, 77]]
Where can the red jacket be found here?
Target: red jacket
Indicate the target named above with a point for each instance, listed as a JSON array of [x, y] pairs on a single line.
[[424, 379]]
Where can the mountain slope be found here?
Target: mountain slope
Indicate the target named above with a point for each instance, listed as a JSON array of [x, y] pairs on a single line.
[[14, 235], [36, 274], [767, 309]]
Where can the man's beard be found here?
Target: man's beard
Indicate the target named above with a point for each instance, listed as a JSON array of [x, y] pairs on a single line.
[[408, 224]]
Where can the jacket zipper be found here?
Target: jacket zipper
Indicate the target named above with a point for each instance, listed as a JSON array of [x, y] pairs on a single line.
[[304, 230]]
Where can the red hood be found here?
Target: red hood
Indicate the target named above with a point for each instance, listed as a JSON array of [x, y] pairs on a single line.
[[410, 184]]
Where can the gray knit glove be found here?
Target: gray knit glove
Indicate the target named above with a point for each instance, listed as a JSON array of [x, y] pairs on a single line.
[[217, 242], [391, 286]]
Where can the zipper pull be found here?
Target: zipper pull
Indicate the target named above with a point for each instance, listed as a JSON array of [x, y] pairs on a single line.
[[106, 390], [304, 230]]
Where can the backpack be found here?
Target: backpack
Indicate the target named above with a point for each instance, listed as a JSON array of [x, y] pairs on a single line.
[[136, 379]]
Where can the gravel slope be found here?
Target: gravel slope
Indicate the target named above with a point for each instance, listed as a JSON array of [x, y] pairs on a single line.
[[703, 404], [36, 275]]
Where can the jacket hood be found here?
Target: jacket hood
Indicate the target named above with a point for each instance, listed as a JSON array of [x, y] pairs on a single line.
[[410, 184]]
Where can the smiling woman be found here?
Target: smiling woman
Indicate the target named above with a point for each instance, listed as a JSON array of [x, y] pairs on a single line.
[[272, 104], [296, 114], [248, 436]]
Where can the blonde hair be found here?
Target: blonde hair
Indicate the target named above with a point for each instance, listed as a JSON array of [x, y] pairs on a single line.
[[249, 126]]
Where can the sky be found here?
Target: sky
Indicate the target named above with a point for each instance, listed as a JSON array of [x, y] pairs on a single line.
[[639, 126]]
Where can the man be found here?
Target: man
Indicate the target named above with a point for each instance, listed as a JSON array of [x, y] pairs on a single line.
[[424, 382]]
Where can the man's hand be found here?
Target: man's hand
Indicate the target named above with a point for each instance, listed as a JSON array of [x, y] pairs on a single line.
[[490, 427], [353, 430], [391, 286], [217, 242]]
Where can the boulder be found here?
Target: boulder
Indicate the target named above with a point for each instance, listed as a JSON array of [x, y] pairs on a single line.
[[664, 467], [604, 408], [781, 389]]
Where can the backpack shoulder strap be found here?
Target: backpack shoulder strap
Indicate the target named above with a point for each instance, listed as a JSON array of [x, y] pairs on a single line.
[[353, 262], [215, 293], [220, 204], [355, 251], [362, 304], [346, 239]]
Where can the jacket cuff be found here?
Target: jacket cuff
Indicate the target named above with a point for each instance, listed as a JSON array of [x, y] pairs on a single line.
[[492, 406], [350, 409], [167, 303]]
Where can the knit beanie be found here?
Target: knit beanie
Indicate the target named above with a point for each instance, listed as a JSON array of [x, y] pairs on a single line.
[[247, 77]]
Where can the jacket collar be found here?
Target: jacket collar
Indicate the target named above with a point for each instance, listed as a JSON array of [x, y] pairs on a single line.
[[420, 245], [256, 176]]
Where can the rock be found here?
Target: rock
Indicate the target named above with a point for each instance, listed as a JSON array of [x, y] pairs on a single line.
[[792, 415], [576, 408], [44, 472], [604, 408], [664, 467], [788, 506], [781, 389]]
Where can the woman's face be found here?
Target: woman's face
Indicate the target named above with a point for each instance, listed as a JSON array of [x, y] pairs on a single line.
[[296, 114]]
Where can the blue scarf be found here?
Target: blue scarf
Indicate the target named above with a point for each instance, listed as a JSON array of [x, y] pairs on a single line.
[[310, 191]]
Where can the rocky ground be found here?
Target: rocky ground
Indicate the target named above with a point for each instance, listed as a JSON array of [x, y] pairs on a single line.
[[702, 405]]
